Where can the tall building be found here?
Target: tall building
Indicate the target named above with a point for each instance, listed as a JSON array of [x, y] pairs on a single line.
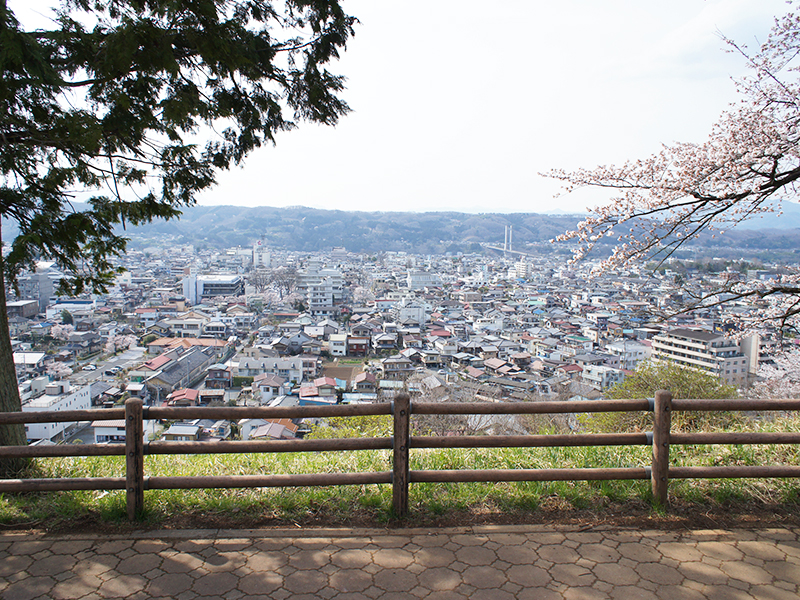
[[261, 256], [707, 351], [197, 288], [41, 284]]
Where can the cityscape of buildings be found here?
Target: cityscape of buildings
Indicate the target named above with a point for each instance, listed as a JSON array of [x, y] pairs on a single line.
[[263, 326]]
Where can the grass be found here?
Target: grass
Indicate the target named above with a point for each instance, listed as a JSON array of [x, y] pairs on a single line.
[[430, 504]]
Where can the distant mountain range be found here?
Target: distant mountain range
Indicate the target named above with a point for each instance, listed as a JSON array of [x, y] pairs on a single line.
[[310, 229]]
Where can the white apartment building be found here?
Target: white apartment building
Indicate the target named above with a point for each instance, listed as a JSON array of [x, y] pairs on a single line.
[[601, 376], [418, 280], [707, 351], [57, 396], [630, 353], [197, 288], [261, 257]]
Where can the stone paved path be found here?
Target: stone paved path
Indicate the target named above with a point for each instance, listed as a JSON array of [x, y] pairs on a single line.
[[498, 563]]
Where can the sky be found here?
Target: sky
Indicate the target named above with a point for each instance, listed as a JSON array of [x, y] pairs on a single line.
[[460, 105]]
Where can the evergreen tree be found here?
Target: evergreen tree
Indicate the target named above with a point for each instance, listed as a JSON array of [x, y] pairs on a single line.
[[118, 105]]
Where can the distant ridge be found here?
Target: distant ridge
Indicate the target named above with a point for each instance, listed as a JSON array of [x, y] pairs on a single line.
[[299, 228]]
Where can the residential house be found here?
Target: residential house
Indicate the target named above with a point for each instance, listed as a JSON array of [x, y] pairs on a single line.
[[396, 367]]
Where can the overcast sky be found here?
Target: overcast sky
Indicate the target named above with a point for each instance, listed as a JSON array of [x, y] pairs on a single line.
[[460, 104]]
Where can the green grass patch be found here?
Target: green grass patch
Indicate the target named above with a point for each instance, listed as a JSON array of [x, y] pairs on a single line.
[[372, 504]]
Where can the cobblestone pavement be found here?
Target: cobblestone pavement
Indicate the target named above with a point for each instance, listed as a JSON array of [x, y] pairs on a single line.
[[536, 562]]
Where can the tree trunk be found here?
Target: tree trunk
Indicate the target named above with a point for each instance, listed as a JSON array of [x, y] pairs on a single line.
[[10, 435]]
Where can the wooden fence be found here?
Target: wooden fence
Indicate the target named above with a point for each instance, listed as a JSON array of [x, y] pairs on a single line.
[[658, 472]]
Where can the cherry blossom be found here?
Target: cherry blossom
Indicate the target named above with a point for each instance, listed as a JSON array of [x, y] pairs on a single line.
[[748, 166]]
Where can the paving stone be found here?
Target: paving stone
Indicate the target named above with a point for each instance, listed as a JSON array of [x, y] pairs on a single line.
[[447, 595], [538, 594], [121, 586], [476, 556], [305, 582], [491, 594], [558, 554], [572, 575], [545, 564], [308, 560], [170, 584], [390, 541], [71, 547], [584, 593], [28, 548], [639, 552], [678, 592], [392, 558], [769, 592], [484, 577], [440, 579], [351, 558], [395, 580], [724, 592], [784, 570], [14, 564], [680, 551], [761, 549], [434, 557], [139, 564], [703, 573], [746, 573], [616, 574], [350, 580], [719, 550], [528, 576], [517, 555], [29, 588], [266, 561], [598, 552], [659, 574], [630, 592]]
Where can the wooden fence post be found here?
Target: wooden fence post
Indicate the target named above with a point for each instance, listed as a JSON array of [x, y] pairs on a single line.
[[401, 411], [134, 456], [662, 419]]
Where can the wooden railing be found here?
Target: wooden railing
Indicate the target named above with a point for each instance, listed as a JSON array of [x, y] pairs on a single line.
[[658, 472]]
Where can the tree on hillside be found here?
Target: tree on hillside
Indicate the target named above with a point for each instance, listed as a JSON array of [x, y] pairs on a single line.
[[747, 167], [652, 376], [132, 106]]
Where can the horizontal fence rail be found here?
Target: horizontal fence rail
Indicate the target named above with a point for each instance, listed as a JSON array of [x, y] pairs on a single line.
[[136, 482]]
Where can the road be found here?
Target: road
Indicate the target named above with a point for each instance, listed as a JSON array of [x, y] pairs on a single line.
[[131, 357]]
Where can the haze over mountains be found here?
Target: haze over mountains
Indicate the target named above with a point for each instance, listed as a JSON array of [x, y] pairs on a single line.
[[311, 229]]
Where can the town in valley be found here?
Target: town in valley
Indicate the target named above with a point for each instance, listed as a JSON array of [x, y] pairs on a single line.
[[257, 325]]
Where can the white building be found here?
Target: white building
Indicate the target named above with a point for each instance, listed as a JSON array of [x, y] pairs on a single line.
[[261, 256], [630, 353], [322, 296], [418, 280], [57, 396], [41, 284], [707, 351], [601, 376], [337, 344], [197, 288]]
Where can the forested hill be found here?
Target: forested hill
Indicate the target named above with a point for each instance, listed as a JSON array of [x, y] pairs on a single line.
[[310, 229]]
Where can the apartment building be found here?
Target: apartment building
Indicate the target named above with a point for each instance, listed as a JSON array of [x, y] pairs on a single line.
[[706, 351]]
